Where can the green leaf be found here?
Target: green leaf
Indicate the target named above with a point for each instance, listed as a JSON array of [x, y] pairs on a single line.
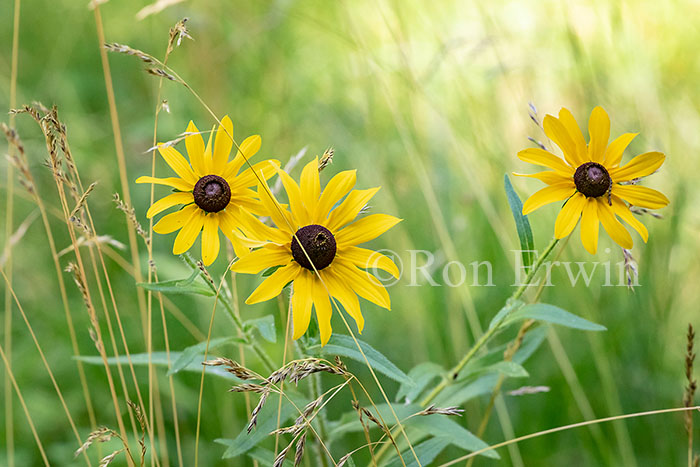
[[426, 452], [191, 354], [527, 243], [505, 311], [266, 457], [555, 315], [421, 375], [267, 422], [345, 347], [266, 327], [161, 359], [179, 286]]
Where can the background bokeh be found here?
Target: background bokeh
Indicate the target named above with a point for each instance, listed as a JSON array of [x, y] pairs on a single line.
[[428, 100]]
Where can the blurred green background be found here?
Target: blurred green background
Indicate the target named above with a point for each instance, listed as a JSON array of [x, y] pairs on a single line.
[[428, 100]]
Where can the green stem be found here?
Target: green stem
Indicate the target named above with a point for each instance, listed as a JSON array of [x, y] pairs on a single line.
[[229, 310], [454, 372], [315, 385]]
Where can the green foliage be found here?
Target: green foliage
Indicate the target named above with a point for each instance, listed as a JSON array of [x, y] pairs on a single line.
[[522, 224], [180, 286]]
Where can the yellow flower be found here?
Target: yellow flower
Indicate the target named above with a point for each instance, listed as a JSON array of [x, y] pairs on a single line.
[[329, 237], [215, 194], [591, 180]]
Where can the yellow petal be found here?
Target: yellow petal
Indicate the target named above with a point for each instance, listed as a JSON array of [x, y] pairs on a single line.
[[569, 215], [210, 238], [589, 225], [547, 159], [188, 233], [249, 177], [280, 216], [641, 196], [365, 229], [336, 188], [368, 259], [263, 258], [612, 226], [207, 153], [624, 213], [641, 166], [310, 185], [576, 136], [549, 194], [299, 212], [195, 149], [178, 163], [273, 285], [302, 299], [222, 145], [248, 148], [169, 201], [599, 131], [174, 221], [323, 309], [254, 229], [558, 133], [362, 283], [348, 210], [549, 177], [344, 294], [613, 155], [177, 183]]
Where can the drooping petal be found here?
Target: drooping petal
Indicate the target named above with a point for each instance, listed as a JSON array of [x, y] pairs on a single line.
[[340, 291], [273, 285], [641, 196], [248, 148], [249, 177], [558, 133], [547, 159], [178, 163], [263, 258], [368, 259], [613, 155], [576, 136], [336, 188], [569, 215], [189, 232], [641, 166], [612, 226], [365, 229], [348, 210], [302, 299], [322, 305], [222, 145], [599, 131], [169, 201], [210, 238], [549, 177], [299, 212], [624, 213], [174, 221], [195, 149], [177, 183], [363, 283], [310, 185], [549, 194], [589, 225]]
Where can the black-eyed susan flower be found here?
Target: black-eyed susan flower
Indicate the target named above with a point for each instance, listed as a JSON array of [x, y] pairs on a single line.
[[596, 188], [215, 192], [314, 243]]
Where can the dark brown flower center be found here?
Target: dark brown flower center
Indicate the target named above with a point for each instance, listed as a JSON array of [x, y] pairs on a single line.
[[319, 244], [592, 179], [212, 193]]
